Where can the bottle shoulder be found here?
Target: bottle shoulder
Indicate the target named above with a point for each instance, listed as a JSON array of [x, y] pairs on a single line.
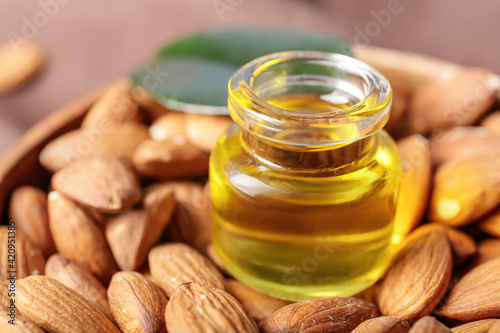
[[234, 166]]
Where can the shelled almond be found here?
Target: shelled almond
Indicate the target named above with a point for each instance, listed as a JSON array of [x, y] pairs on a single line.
[[129, 194], [20, 61]]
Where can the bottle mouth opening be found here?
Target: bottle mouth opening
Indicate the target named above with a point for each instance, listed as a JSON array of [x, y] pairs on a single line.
[[347, 100]]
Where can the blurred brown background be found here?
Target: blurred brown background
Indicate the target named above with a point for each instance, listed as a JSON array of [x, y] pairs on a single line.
[[91, 43]]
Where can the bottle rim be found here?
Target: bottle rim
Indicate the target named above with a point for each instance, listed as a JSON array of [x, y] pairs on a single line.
[[253, 113]]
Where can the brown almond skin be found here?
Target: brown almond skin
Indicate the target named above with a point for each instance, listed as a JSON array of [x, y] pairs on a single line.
[[28, 258], [28, 208], [124, 234], [495, 328], [487, 249], [409, 69], [465, 190], [132, 234], [192, 221], [172, 264], [462, 142], [492, 122], [476, 295], [21, 325], [203, 131], [122, 140], [103, 183], [258, 305], [335, 315], [478, 326], [462, 245], [425, 262], [59, 309], [429, 325], [19, 62], [168, 126], [400, 94], [73, 146], [383, 324], [195, 307], [115, 107], [5, 285], [458, 101], [170, 159], [80, 280], [143, 301], [212, 255], [415, 185], [77, 237], [491, 223], [148, 105]]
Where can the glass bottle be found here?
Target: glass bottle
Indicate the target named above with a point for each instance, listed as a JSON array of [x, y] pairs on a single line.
[[304, 186]]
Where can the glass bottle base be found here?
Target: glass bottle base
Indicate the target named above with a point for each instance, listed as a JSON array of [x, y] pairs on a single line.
[[298, 293]]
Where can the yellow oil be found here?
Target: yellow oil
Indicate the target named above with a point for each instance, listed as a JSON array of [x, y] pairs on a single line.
[[299, 224]]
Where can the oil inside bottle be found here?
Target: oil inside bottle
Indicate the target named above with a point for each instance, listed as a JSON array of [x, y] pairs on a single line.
[[301, 223]]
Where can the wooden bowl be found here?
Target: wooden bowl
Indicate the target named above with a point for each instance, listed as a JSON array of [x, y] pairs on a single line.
[[20, 165]]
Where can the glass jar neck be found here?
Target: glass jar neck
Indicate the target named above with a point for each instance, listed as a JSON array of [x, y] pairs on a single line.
[[308, 102], [281, 157]]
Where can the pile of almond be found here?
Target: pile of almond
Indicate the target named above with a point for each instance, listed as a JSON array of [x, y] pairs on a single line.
[[120, 239]]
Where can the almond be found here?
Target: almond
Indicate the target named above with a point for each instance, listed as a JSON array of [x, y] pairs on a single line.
[[57, 308], [113, 108], [195, 307], [212, 254], [415, 185], [462, 142], [476, 295], [78, 237], [20, 325], [465, 190], [478, 326], [462, 245], [487, 249], [457, 101], [168, 127], [80, 280], [5, 300], [19, 62], [170, 159], [24, 259], [400, 94], [203, 131], [192, 222], [148, 104], [132, 234], [124, 234], [491, 223], [495, 328], [492, 122], [172, 264], [138, 305], [383, 324], [335, 315], [160, 204], [73, 146], [409, 68], [258, 305], [28, 208], [429, 325], [122, 140], [418, 276], [102, 183]]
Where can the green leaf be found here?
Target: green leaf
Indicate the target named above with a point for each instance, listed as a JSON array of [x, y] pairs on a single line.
[[191, 74]]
